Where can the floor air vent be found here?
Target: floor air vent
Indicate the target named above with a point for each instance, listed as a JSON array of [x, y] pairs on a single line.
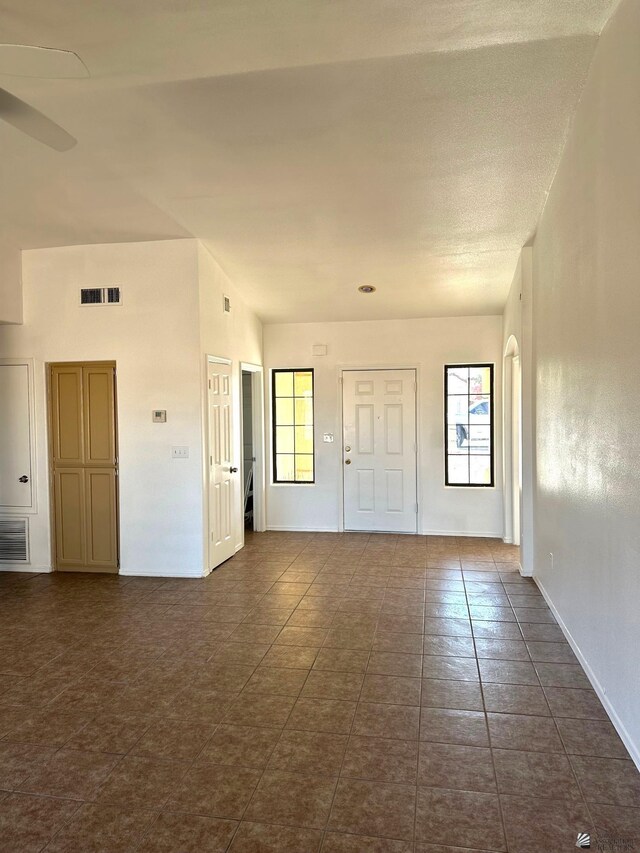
[[14, 540], [100, 296]]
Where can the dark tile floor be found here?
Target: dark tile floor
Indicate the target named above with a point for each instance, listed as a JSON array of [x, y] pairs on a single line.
[[336, 693]]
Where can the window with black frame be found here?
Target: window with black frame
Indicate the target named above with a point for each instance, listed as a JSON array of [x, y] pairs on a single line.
[[468, 402], [292, 426]]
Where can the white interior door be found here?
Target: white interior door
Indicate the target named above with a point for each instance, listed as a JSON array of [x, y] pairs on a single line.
[[379, 450], [15, 437], [222, 474]]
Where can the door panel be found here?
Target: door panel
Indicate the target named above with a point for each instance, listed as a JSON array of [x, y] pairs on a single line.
[[83, 442], [67, 426], [99, 420], [100, 490], [70, 517], [221, 478], [379, 425], [15, 437]]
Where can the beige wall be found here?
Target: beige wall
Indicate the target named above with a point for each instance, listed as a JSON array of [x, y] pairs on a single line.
[[587, 355], [10, 283]]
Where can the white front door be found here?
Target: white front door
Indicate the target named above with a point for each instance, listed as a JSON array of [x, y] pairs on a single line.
[[15, 437], [222, 474], [379, 450]]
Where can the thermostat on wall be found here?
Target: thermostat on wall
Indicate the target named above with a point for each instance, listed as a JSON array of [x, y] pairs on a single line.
[[159, 416]]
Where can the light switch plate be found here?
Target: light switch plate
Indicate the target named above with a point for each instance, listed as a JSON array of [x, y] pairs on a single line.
[[180, 452], [159, 416]]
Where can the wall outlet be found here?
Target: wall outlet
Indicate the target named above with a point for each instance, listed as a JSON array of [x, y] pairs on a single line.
[[328, 437], [179, 452]]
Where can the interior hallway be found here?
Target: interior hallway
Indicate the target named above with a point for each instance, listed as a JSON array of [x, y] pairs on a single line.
[[333, 692]]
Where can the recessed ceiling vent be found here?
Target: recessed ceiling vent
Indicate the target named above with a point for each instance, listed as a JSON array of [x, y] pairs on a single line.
[[100, 296], [14, 540]]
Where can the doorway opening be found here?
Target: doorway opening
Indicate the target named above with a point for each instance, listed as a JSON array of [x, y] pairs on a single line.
[[512, 442], [252, 424]]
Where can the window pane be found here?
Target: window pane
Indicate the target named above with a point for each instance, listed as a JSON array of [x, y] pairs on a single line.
[[303, 384], [284, 440], [304, 468], [304, 411], [457, 439], [458, 470], [480, 380], [481, 470], [304, 439], [285, 469], [479, 439], [284, 411], [458, 410], [283, 383], [457, 380]]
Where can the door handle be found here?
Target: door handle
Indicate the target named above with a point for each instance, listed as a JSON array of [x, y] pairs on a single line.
[[23, 479], [232, 470], [347, 462]]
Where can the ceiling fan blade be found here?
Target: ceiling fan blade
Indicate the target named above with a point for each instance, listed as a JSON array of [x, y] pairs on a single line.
[[28, 60], [34, 123]]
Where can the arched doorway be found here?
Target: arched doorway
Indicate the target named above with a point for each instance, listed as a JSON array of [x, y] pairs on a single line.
[[512, 441]]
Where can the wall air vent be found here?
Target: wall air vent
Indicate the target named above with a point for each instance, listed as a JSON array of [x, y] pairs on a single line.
[[226, 302], [100, 296], [14, 540]]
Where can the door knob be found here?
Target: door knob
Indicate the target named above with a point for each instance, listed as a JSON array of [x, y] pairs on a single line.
[[347, 462], [23, 479], [232, 470]]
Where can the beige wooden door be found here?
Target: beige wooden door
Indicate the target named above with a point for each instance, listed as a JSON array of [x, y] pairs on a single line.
[[84, 466]]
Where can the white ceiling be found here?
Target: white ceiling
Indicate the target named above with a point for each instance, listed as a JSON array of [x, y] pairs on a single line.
[[312, 145]]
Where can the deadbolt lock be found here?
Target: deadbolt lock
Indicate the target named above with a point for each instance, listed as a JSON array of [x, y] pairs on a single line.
[[348, 449]]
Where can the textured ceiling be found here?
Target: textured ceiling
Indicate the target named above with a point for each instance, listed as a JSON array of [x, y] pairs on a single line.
[[312, 146]]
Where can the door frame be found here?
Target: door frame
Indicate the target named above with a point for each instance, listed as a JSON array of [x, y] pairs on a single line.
[[342, 368], [259, 471], [49, 426], [30, 365], [512, 442]]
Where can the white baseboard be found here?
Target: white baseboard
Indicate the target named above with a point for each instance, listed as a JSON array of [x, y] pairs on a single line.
[[300, 529], [632, 748], [483, 534], [21, 567], [285, 528], [161, 573]]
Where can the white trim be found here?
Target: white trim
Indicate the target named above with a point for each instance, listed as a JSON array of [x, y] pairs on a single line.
[[632, 748], [214, 359], [162, 573], [299, 529], [23, 567], [491, 534], [343, 368], [32, 509], [289, 529]]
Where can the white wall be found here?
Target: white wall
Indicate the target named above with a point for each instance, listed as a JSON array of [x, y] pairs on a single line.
[[10, 283], [587, 355], [425, 344], [171, 315], [153, 338], [237, 336]]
